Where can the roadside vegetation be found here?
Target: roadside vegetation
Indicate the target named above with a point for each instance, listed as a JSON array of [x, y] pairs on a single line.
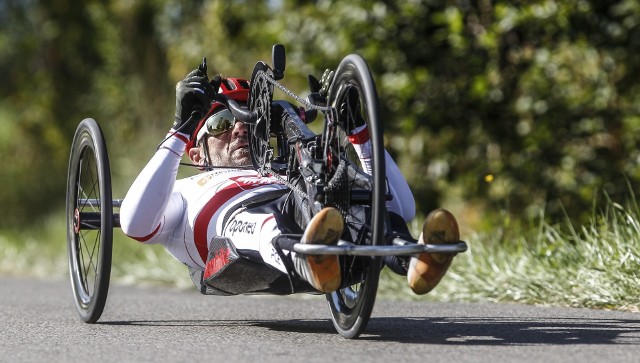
[[596, 265]]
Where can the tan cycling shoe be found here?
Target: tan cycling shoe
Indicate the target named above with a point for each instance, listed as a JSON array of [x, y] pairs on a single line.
[[321, 271], [426, 271]]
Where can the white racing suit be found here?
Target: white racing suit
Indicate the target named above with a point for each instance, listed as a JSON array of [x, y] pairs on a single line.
[[187, 215]]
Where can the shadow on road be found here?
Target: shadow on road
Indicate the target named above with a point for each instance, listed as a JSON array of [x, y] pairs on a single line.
[[453, 331], [313, 326], [504, 331]]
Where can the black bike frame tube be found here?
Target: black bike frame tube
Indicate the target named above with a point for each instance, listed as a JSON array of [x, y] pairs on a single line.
[[295, 128], [92, 220]]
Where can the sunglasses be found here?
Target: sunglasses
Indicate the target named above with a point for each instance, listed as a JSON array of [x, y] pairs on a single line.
[[217, 124]]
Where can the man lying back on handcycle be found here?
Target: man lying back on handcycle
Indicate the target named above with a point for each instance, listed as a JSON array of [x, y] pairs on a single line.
[[229, 214]]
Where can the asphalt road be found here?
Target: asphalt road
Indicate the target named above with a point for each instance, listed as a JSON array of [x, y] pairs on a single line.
[[38, 322]]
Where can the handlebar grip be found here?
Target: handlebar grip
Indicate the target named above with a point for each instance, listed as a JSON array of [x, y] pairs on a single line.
[[239, 112]]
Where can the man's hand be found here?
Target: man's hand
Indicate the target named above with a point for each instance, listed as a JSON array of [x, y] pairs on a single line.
[[320, 89], [194, 95]]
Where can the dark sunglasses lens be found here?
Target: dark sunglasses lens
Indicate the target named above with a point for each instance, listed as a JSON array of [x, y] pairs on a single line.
[[220, 123]]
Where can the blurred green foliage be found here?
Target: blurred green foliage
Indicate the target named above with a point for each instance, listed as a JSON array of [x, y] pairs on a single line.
[[517, 106]]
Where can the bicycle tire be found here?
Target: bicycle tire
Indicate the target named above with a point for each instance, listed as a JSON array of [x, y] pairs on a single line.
[[89, 209], [351, 306]]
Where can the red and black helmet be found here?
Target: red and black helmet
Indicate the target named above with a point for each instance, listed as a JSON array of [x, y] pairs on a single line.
[[235, 88]]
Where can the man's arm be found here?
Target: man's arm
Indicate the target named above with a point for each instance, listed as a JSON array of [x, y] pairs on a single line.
[[402, 202], [150, 206]]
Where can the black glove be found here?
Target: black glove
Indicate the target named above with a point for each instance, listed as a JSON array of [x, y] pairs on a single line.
[[325, 82], [320, 89], [194, 95]]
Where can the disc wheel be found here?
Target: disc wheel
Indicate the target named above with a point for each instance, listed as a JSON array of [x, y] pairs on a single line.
[[354, 102], [89, 210]]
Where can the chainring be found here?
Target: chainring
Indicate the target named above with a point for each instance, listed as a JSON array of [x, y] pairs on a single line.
[[260, 98]]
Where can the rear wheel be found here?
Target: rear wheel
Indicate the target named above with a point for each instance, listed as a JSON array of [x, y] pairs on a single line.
[[89, 209], [354, 101]]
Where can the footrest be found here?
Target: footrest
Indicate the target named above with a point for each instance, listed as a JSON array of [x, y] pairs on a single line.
[[404, 249]]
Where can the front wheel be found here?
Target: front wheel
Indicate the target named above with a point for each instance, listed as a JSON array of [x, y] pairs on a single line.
[[89, 209], [361, 198]]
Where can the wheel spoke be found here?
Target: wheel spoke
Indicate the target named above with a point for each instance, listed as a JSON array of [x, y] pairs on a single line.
[[94, 191], [88, 252], [88, 259]]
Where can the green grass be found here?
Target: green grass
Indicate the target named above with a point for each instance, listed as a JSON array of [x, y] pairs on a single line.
[[595, 265]]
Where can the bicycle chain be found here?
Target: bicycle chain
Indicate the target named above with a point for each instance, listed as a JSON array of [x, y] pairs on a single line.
[[296, 189], [296, 97]]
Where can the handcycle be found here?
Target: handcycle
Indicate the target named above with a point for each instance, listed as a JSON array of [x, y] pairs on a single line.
[[320, 169]]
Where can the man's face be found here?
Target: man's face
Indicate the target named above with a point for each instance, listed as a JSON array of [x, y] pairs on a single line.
[[230, 148]]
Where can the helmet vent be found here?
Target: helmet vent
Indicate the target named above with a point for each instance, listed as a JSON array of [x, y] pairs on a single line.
[[243, 83], [228, 84]]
